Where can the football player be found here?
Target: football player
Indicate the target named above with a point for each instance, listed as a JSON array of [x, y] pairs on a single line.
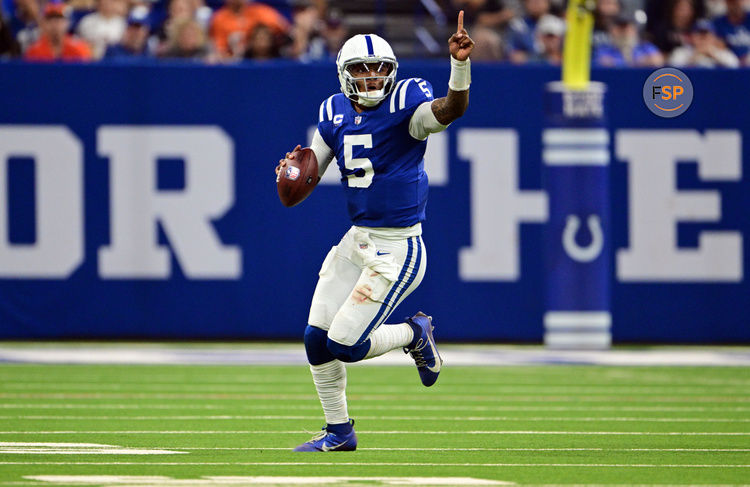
[[377, 129]]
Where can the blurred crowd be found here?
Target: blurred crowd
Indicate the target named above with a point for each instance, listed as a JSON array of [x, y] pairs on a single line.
[[208, 31], [653, 33]]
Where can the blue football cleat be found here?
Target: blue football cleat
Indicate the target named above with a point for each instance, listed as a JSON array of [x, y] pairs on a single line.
[[330, 441], [424, 352]]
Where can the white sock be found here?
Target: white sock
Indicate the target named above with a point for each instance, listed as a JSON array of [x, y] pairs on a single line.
[[330, 381], [389, 337]]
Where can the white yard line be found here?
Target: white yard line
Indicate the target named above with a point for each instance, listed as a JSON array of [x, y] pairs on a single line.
[[90, 451], [392, 432], [680, 450], [99, 446], [160, 481], [387, 407], [486, 355], [52, 445], [29, 448], [496, 389], [139, 406], [665, 378], [370, 396], [379, 418], [590, 380], [286, 481], [398, 464]]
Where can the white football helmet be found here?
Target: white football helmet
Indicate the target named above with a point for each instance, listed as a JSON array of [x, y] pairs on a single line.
[[355, 56]]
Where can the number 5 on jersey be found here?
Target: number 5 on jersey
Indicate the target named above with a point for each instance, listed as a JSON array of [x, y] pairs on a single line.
[[360, 169]]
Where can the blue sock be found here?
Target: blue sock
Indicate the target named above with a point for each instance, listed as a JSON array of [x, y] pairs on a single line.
[[340, 429]]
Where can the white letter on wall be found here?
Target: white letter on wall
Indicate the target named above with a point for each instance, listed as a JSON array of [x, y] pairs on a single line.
[[136, 205], [656, 206], [58, 163], [497, 205]]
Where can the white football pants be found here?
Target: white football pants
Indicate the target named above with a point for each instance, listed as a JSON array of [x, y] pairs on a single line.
[[363, 279]]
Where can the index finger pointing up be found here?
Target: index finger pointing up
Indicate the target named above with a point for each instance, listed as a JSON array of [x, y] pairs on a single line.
[[460, 22]]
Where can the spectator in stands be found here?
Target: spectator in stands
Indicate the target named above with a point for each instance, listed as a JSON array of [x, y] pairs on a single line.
[[262, 44], [105, 26], [488, 20], [330, 38], [87, 6], [626, 48], [24, 18], [55, 44], [188, 41], [18, 13], [521, 38], [604, 16], [239, 17], [715, 8], [9, 47], [177, 12], [704, 49], [734, 29], [671, 27], [334, 34], [78, 9], [549, 34], [488, 45], [317, 33], [134, 41], [160, 10], [492, 14], [307, 23]]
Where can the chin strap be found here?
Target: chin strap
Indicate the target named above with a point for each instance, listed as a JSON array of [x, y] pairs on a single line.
[[367, 102]]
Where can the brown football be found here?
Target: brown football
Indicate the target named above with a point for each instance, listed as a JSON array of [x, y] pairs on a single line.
[[297, 180]]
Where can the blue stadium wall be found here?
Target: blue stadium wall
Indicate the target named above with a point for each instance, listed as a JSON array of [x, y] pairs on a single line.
[[139, 201]]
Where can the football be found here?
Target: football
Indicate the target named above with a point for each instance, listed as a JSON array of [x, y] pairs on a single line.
[[297, 180]]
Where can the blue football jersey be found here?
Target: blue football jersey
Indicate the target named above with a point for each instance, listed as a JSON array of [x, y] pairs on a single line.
[[381, 164]]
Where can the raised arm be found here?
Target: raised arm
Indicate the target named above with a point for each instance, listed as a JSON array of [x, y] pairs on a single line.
[[454, 104]]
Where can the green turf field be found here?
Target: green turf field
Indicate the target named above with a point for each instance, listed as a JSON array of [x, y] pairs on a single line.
[[524, 424]]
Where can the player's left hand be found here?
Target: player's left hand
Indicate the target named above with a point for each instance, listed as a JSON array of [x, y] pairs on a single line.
[[460, 44]]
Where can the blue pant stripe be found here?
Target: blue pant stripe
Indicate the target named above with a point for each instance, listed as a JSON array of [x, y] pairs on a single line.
[[404, 286], [400, 287], [387, 300], [416, 267]]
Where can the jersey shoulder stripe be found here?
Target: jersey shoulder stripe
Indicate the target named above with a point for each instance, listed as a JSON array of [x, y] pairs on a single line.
[[326, 109], [402, 93], [326, 117], [393, 96], [410, 93]]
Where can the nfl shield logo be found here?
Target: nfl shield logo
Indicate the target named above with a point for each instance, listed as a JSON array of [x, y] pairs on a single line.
[[292, 173], [357, 120]]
